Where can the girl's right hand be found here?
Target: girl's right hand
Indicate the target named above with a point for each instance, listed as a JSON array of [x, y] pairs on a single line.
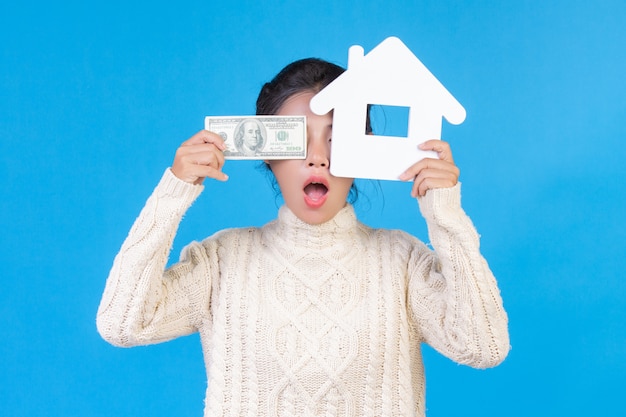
[[199, 157]]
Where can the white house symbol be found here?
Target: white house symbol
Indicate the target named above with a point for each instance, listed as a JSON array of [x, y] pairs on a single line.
[[390, 75]]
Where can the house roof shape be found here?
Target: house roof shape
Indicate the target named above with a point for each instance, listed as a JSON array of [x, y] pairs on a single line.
[[389, 75]]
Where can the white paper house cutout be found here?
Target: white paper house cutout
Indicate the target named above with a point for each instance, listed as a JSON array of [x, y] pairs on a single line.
[[390, 75]]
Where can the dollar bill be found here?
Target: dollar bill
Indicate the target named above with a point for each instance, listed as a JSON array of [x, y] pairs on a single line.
[[260, 137]]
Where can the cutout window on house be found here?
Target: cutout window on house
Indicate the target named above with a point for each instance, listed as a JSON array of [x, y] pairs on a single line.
[[389, 120]]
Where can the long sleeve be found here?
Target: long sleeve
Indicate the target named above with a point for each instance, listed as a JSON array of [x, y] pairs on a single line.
[[453, 294], [143, 302]]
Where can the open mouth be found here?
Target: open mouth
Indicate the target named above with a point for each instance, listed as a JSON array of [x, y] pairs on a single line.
[[315, 192]]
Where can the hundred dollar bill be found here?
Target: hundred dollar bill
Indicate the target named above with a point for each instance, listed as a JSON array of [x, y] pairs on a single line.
[[260, 137]]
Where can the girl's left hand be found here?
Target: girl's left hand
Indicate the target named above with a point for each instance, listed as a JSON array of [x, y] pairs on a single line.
[[432, 173]]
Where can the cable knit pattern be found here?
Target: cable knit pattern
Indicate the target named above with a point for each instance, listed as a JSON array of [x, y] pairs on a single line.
[[309, 320]]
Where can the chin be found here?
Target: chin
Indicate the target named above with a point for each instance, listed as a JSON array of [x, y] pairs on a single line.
[[314, 218], [320, 215]]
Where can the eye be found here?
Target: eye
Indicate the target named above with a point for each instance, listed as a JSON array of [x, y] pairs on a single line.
[[330, 140]]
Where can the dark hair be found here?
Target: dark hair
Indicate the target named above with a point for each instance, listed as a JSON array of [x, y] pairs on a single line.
[[309, 74]]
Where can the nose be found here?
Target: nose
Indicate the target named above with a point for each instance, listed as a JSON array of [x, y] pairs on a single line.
[[318, 153]]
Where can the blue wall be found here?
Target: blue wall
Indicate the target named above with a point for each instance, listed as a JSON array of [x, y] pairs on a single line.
[[96, 96]]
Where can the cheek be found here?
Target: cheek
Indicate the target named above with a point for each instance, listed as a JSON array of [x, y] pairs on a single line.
[[285, 175], [349, 187], [344, 185]]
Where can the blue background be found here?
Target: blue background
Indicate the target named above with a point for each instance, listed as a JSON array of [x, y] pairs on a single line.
[[95, 96]]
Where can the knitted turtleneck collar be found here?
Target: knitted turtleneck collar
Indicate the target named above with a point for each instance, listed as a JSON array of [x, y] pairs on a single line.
[[293, 232]]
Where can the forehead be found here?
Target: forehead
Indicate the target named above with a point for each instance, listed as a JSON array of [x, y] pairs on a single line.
[[250, 125], [297, 103]]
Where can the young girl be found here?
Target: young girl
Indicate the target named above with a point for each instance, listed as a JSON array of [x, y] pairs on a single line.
[[313, 313]]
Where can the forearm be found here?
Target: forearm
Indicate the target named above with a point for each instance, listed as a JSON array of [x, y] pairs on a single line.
[[470, 323], [136, 284]]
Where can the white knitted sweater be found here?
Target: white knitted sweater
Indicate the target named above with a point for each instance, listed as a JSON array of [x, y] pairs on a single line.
[[303, 320]]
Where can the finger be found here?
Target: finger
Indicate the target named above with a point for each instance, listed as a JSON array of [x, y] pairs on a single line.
[[429, 179], [205, 136], [206, 154], [442, 148], [411, 172], [194, 162], [196, 173], [205, 171], [428, 163], [210, 157]]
